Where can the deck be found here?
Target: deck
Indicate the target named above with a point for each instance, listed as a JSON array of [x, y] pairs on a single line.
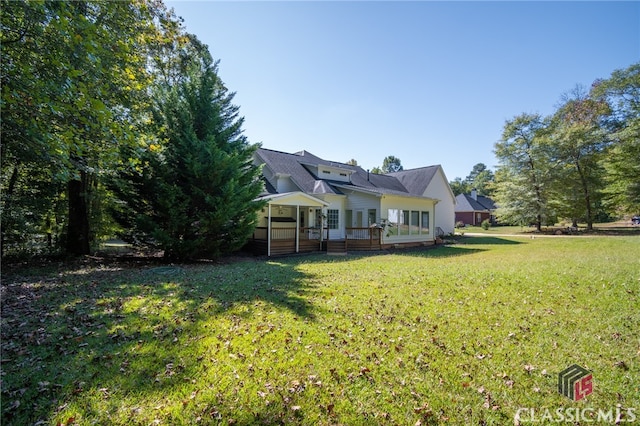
[[307, 240]]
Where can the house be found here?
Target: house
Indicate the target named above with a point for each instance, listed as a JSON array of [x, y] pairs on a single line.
[[473, 209], [432, 182], [315, 205]]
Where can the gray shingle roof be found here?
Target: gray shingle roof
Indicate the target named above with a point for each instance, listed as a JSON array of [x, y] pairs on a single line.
[[416, 180], [466, 203], [299, 165]]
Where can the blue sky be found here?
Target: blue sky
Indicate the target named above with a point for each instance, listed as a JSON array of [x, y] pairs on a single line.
[[428, 82]]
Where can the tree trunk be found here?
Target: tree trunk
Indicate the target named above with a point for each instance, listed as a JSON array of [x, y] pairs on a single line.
[[7, 206], [587, 196], [78, 228]]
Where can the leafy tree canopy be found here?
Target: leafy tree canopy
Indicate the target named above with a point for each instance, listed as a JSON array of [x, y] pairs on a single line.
[[391, 164]]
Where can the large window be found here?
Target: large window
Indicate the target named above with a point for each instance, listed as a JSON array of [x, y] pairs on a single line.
[[393, 221], [424, 226], [404, 222], [332, 219], [407, 222], [414, 225]]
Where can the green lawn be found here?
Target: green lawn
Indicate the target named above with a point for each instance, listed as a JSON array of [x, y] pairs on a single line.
[[622, 227], [464, 334]]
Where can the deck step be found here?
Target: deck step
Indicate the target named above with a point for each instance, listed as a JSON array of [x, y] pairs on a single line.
[[337, 247]]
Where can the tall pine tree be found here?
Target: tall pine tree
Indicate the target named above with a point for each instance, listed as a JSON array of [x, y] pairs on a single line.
[[191, 192]]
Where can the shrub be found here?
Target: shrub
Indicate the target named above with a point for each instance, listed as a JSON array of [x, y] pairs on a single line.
[[459, 224], [485, 224]]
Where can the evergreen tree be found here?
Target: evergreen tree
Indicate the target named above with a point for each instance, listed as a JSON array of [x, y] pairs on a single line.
[[191, 192]]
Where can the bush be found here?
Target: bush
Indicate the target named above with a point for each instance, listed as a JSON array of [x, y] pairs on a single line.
[[485, 224], [459, 224]]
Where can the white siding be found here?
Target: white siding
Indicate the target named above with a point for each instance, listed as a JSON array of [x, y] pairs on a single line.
[[269, 176], [445, 209], [285, 185], [336, 202], [331, 173], [363, 202]]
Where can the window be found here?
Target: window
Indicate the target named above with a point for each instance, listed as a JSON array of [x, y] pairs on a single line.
[[372, 216], [414, 226], [332, 219], [348, 218], [404, 222], [424, 226], [326, 172], [393, 221]]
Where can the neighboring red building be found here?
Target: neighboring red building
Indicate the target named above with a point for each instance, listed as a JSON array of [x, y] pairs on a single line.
[[472, 209]]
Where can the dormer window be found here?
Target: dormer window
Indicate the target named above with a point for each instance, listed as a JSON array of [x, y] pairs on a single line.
[[339, 174]]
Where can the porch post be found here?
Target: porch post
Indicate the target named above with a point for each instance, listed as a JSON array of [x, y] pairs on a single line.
[[297, 228], [269, 232]]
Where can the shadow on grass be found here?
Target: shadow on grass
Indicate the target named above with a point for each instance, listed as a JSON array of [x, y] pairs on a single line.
[[475, 240], [72, 334], [439, 252]]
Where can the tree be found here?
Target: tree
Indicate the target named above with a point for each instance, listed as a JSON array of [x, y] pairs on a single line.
[[352, 162], [480, 179], [524, 172], [192, 191], [73, 75], [459, 186], [377, 170], [391, 164], [622, 186], [579, 145]]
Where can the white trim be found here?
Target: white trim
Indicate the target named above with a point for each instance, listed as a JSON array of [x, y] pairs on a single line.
[[298, 228], [269, 232], [287, 199]]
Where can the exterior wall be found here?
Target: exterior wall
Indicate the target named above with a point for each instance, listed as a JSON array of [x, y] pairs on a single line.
[[336, 202], [358, 201], [472, 218], [333, 174], [284, 185], [445, 210], [268, 175], [406, 203], [465, 217]]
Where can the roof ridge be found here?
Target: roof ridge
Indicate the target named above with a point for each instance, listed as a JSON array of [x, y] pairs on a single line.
[[415, 168]]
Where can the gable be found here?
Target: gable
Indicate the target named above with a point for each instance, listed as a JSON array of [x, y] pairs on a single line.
[[427, 181]]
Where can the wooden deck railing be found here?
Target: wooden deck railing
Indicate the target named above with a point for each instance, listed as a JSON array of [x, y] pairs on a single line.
[[312, 239]]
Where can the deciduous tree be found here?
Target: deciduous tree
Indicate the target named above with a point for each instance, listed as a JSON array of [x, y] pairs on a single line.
[[524, 171], [622, 160], [579, 142], [72, 76]]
